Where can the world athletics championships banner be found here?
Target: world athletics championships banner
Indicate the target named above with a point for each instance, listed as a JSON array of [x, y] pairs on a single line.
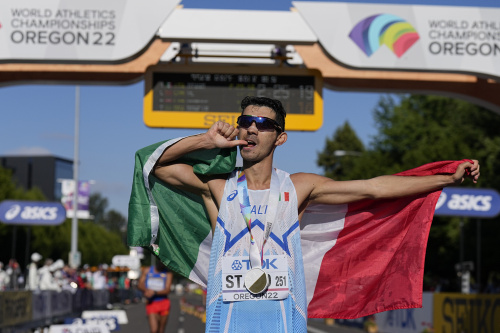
[[91, 30], [425, 38]]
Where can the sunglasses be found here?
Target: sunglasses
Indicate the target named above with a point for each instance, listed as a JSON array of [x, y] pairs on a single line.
[[263, 124]]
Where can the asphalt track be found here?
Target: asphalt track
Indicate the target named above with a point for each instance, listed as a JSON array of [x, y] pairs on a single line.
[[190, 319]]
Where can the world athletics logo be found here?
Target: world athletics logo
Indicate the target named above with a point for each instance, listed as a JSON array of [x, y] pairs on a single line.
[[393, 31]]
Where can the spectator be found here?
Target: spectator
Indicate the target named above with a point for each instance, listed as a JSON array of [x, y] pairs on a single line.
[[14, 271], [85, 278], [70, 279], [4, 278], [99, 277], [32, 282], [47, 281], [124, 288]]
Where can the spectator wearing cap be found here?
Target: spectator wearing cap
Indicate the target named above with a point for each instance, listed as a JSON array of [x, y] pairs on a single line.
[[4, 278], [47, 281], [57, 272], [33, 283]]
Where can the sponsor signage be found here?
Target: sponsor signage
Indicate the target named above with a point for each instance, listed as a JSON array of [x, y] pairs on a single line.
[[81, 328], [131, 262], [91, 30], [111, 323], [407, 37], [119, 315], [15, 308], [475, 313], [198, 96], [67, 191], [399, 321], [32, 212], [469, 202], [408, 320]]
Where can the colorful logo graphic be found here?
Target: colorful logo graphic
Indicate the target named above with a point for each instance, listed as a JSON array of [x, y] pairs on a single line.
[[384, 29]]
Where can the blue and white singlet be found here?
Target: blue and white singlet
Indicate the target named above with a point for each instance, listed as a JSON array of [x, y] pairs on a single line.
[[157, 282], [230, 248]]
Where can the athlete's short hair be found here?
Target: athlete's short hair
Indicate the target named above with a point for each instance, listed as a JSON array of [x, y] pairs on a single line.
[[273, 104]]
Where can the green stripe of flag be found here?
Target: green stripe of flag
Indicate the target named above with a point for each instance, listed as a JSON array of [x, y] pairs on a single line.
[[183, 219]]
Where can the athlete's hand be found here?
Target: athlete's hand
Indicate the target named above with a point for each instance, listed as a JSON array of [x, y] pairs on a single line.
[[466, 170], [149, 293], [223, 135]]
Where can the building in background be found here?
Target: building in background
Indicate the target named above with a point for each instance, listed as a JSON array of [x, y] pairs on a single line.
[[39, 171]]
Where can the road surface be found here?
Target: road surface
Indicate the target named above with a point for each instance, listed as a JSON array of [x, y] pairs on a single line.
[[191, 318]]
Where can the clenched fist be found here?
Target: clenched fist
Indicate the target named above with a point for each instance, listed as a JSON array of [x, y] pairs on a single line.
[[223, 135]]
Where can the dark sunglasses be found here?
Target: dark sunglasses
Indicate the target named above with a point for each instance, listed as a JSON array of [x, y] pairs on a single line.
[[263, 124]]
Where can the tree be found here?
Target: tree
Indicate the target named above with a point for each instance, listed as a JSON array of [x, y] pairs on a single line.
[[96, 243], [414, 130], [112, 220], [14, 234], [98, 206], [340, 152]]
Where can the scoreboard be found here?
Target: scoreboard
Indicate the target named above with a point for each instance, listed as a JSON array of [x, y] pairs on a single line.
[[178, 96]]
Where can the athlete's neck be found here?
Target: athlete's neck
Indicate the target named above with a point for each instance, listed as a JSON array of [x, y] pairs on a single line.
[[258, 175]]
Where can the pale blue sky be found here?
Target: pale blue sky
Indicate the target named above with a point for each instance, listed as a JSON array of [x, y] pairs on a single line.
[[40, 119]]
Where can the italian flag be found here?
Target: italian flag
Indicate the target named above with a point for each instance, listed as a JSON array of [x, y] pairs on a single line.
[[359, 259], [284, 196], [172, 223]]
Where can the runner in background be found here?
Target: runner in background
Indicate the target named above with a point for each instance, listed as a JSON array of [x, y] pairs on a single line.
[[155, 282]]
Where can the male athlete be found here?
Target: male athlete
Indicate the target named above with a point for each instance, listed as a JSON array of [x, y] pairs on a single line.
[[254, 215], [155, 283]]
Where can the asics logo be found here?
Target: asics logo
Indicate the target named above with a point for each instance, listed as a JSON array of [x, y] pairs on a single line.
[[232, 195]]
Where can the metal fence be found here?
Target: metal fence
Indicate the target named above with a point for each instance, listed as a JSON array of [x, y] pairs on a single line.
[[22, 311]]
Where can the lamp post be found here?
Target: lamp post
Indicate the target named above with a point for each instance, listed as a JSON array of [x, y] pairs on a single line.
[[340, 153], [74, 256]]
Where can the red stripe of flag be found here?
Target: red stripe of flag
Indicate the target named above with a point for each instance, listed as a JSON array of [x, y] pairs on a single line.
[[377, 263]]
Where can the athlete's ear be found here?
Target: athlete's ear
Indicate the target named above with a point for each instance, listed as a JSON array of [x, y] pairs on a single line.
[[281, 139]]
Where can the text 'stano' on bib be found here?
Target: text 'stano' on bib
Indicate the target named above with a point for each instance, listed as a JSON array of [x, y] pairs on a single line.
[[234, 270]]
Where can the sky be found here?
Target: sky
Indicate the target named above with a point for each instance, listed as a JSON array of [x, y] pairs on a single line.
[[39, 119]]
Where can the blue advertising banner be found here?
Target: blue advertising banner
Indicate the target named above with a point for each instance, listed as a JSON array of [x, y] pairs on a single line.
[[32, 212], [468, 202]]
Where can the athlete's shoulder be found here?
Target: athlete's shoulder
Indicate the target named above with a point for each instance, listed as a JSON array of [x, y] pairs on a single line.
[[303, 177]]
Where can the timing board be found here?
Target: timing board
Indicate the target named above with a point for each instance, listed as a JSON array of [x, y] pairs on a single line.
[[178, 96]]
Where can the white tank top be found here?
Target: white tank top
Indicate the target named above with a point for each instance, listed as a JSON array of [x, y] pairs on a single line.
[[231, 239]]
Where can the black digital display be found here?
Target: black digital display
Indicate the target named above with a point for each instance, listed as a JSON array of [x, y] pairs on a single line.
[[213, 92]]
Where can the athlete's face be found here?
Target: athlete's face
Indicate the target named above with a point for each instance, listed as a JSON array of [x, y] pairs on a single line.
[[260, 143]]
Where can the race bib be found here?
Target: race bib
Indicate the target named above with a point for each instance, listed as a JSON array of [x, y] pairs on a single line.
[[156, 284], [233, 277]]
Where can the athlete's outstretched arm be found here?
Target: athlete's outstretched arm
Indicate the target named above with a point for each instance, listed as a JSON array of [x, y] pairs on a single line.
[[319, 189]]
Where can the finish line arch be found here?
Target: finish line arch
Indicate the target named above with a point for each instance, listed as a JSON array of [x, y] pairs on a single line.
[[297, 34]]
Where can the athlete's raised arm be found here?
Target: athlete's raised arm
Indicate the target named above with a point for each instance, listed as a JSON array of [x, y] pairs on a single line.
[[319, 189], [220, 135]]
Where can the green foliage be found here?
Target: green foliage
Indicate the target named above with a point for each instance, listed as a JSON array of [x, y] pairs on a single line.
[[97, 243], [97, 206], [111, 220], [340, 152], [421, 129], [414, 130], [10, 191]]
